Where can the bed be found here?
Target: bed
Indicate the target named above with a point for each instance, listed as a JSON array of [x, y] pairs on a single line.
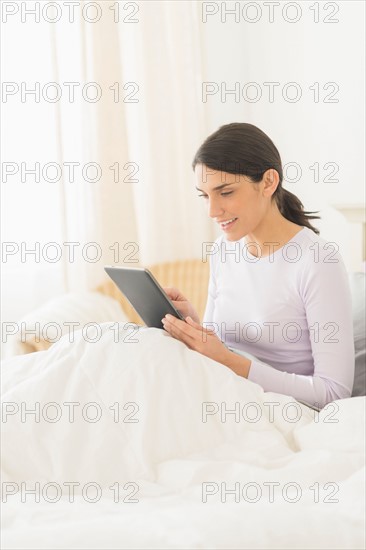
[[165, 448], [129, 439]]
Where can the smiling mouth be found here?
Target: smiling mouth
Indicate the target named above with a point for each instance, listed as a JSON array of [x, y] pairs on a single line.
[[228, 223]]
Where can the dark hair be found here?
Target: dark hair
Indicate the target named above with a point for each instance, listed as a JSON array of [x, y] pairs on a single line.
[[242, 148]]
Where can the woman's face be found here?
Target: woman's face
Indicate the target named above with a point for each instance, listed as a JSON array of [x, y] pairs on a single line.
[[233, 196]]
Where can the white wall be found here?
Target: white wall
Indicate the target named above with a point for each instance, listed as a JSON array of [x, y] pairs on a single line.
[[305, 52]]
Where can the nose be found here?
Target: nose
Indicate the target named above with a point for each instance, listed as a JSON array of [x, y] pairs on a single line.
[[215, 210]]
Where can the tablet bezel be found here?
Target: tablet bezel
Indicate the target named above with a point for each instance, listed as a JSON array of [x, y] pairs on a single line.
[[165, 298]]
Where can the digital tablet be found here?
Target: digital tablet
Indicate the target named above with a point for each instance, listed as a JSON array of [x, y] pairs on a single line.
[[144, 294]]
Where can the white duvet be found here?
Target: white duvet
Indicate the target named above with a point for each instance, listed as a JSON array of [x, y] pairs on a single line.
[[133, 439]]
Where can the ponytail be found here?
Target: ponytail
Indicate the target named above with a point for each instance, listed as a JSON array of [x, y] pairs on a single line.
[[292, 208]]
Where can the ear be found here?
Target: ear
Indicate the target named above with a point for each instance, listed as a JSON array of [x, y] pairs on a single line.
[[271, 179]]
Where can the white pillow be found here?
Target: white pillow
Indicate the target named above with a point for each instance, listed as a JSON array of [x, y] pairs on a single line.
[[53, 318], [358, 285]]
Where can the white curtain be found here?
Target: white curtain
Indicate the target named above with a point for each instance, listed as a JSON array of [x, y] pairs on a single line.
[[99, 211], [162, 54], [149, 211], [148, 123]]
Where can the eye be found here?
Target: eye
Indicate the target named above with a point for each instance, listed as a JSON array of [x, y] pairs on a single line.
[[222, 194]]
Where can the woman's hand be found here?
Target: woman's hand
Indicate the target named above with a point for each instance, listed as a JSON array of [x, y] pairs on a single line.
[[206, 342], [181, 303], [196, 337]]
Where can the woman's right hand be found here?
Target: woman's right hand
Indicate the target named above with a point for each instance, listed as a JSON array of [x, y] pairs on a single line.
[[181, 303]]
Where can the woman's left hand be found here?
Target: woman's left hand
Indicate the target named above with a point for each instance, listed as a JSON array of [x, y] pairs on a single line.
[[196, 337]]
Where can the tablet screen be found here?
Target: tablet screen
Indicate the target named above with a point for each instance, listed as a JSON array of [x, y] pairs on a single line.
[[144, 293]]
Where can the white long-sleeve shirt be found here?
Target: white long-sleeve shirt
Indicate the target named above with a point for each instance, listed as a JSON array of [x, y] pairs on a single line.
[[291, 310]]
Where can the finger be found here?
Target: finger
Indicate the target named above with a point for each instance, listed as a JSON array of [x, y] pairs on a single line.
[[171, 290], [178, 328], [178, 334], [190, 335]]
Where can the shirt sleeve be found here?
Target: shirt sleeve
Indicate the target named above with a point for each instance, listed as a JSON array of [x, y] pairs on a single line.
[[326, 295]]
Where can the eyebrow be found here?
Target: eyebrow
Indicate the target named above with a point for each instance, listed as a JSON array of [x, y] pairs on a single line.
[[218, 187]]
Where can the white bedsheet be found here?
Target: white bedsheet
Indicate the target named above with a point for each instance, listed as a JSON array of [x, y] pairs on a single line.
[[170, 458]]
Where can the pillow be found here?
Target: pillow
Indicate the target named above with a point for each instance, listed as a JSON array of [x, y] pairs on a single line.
[[77, 307], [357, 283]]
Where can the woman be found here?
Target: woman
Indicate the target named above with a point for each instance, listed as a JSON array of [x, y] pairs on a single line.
[[278, 293]]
